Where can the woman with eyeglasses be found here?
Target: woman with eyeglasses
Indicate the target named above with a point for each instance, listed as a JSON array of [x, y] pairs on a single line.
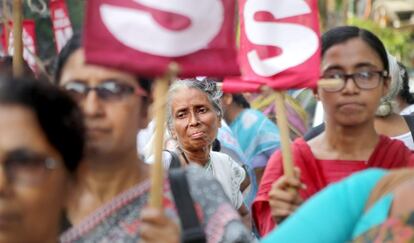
[[41, 145], [387, 120], [349, 143], [108, 200]]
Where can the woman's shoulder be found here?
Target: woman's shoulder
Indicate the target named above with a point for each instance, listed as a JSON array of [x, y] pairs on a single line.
[[392, 125], [223, 160], [391, 143], [299, 145]]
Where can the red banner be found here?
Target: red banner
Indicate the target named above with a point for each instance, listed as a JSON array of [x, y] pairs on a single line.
[[279, 45], [62, 27], [29, 42], [145, 36]]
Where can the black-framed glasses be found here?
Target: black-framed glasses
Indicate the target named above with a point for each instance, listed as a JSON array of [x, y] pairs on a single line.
[[108, 90], [24, 167], [364, 79]]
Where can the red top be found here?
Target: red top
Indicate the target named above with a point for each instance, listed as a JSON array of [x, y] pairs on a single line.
[[317, 174]]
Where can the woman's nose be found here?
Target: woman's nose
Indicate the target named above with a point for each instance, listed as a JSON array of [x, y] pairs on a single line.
[[350, 86], [194, 120], [92, 105]]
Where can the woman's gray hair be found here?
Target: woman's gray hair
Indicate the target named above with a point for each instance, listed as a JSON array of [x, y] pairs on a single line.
[[206, 86], [388, 104]]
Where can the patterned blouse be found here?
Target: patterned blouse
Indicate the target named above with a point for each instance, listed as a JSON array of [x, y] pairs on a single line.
[[399, 230], [118, 220]]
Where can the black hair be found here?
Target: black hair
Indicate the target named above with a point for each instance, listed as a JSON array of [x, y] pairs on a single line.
[[339, 35], [240, 101], [58, 115], [216, 146], [405, 90], [75, 43]]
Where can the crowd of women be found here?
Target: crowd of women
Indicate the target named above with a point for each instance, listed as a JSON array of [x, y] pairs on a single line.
[[71, 171]]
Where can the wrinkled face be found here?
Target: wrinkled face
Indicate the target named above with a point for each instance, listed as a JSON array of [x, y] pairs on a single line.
[[195, 122], [112, 121], [351, 105], [32, 191]]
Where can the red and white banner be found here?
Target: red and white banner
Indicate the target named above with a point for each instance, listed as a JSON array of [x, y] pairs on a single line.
[[279, 45], [145, 36], [29, 42], [62, 27]]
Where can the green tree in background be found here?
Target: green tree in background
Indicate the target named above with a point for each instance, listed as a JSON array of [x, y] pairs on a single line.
[[44, 31], [398, 42]]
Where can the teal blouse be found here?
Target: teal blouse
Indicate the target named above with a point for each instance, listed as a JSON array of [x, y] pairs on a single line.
[[336, 214]]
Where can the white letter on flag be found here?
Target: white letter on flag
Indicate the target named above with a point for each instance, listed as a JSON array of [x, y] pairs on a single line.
[[298, 43], [137, 29]]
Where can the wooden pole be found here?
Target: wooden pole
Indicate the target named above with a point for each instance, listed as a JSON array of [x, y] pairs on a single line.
[[327, 83], [282, 123], [6, 17], [17, 38], [321, 84], [157, 168]]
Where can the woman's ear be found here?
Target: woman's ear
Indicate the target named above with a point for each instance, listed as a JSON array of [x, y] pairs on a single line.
[[174, 135], [146, 111], [143, 116], [387, 83], [227, 99], [316, 94]]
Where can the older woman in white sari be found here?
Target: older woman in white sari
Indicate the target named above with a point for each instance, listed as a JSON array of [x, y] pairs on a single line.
[[193, 118]]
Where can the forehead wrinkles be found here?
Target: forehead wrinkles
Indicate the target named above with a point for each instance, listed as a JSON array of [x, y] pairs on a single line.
[[185, 98]]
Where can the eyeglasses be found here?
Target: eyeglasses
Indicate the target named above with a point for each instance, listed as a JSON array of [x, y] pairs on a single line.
[[364, 80], [108, 90], [24, 167]]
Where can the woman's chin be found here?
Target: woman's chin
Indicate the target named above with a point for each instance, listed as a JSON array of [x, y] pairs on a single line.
[[197, 145], [352, 122]]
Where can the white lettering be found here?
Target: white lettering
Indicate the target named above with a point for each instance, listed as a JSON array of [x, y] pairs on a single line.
[[137, 29], [298, 43]]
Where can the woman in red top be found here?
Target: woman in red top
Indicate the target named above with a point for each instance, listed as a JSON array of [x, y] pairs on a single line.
[[349, 142]]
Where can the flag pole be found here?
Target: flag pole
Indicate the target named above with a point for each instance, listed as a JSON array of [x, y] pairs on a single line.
[[282, 123], [6, 17], [157, 168], [17, 38]]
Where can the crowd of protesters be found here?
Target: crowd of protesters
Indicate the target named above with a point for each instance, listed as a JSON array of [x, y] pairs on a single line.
[[71, 171]]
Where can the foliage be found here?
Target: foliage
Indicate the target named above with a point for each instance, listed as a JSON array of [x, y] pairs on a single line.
[[398, 42], [44, 30]]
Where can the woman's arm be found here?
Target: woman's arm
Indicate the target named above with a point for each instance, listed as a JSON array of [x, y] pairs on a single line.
[[245, 216], [330, 216]]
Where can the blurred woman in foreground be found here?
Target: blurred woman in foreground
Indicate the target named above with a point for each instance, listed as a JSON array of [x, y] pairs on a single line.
[[41, 145], [108, 200]]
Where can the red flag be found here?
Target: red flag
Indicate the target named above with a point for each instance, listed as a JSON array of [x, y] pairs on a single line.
[[62, 27], [236, 85], [29, 43], [280, 44], [145, 36]]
